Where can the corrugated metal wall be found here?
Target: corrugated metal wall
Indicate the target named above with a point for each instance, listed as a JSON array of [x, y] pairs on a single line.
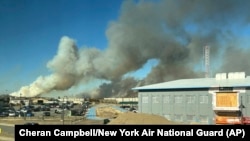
[[246, 102], [183, 106], [247, 105]]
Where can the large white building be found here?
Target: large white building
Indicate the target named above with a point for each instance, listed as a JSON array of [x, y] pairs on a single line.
[[192, 100]]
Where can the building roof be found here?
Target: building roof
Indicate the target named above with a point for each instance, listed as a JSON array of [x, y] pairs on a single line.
[[198, 83]]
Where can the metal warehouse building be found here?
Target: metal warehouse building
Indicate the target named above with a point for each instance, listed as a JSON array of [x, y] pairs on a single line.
[[193, 100]]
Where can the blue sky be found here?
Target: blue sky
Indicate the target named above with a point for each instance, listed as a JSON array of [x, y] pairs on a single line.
[[31, 30]]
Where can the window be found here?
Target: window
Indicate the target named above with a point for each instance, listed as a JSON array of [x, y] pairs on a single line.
[[155, 99], [177, 99], [178, 117], [166, 99], [190, 99], [203, 119], [190, 118], [203, 99], [145, 99]]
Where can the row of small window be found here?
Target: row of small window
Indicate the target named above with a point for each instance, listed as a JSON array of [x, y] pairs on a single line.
[[189, 118], [203, 99]]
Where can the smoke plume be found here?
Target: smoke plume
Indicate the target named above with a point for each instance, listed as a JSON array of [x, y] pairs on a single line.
[[174, 32]]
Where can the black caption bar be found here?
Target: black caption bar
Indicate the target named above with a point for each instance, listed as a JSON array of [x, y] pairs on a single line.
[[79, 132]]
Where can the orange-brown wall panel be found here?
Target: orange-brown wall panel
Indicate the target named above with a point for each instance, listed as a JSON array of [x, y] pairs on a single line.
[[226, 100]]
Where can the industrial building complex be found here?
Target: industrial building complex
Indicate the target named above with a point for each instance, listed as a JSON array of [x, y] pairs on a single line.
[[224, 99]]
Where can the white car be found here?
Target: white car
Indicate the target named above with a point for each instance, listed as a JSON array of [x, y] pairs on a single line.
[[58, 110], [13, 114]]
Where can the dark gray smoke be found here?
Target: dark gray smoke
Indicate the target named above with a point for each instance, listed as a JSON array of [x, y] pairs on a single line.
[[171, 31]]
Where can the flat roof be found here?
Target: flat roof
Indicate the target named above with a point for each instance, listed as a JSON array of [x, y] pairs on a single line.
[[197, 83]]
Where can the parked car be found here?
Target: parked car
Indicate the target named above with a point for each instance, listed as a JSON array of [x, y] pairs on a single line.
[[26, 114], [58, 110], [133, 109], [46, 113], [4, 113], [45, 108], [31, 123], [13, 114], [30, 114], [37, 109]]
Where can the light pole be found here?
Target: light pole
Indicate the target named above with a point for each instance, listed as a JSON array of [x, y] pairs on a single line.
[[241, 110]]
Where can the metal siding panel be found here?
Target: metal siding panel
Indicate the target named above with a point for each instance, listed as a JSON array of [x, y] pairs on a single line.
[[172, 106], [140, 102], [167, 106], [156, 104], [161, 105], [173, 110], [145, 103], [150, 103], [191, 108], [246, 103], [178, 106], [205, 109]]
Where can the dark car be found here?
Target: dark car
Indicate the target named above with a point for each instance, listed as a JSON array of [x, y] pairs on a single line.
[[31, 123], [45, 108], [4, 113], [37, 109], [26, 114], [46, 113]]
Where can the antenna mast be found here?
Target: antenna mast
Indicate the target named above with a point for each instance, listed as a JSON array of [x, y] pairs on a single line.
[[206, 60]]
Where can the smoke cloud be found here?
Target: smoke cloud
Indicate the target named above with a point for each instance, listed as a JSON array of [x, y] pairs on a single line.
[[173, 32]]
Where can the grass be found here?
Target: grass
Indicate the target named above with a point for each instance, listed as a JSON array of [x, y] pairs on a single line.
[[6, 134]]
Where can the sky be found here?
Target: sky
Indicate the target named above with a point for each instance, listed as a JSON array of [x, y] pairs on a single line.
[[104, 48], [31, 30]]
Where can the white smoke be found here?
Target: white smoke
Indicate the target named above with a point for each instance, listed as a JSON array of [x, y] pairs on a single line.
[[63, 74]]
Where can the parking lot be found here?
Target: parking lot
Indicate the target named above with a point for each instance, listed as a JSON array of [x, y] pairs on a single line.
[[44, 112]]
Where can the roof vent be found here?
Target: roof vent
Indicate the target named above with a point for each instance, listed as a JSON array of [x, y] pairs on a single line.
[[221, 76], [236, 75]]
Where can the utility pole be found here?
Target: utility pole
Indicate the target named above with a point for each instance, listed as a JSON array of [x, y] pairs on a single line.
[[241, 109]]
